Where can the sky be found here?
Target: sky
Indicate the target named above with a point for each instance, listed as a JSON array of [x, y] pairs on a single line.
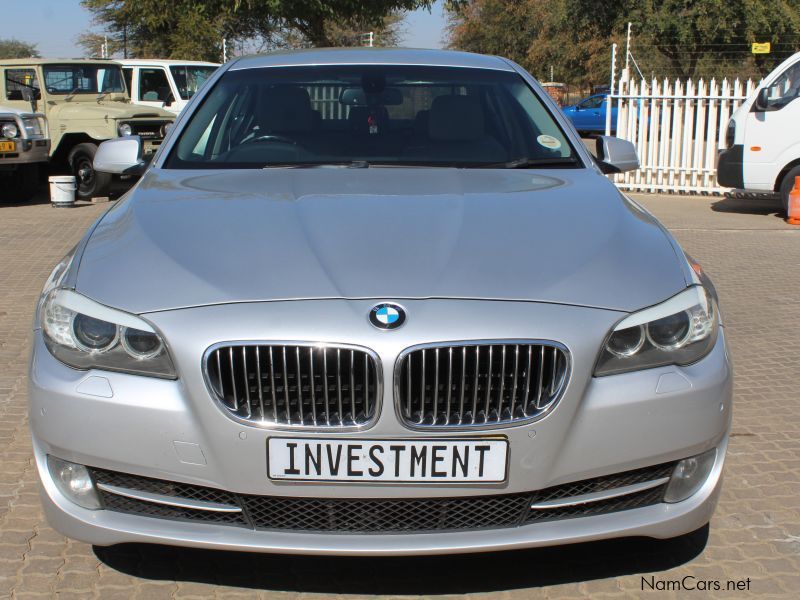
[[59, 22]]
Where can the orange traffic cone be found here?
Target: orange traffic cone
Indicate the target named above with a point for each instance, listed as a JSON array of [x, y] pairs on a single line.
[[793, 212]]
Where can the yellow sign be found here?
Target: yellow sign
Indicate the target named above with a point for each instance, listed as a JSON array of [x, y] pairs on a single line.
[[762, 48]]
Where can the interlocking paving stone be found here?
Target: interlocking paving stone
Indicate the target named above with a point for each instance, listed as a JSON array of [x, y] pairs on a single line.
[[754, 259]]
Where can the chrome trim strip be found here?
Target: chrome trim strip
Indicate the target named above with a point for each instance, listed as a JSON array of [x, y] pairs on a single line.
[[597, 496], [169, 500], [419, 426], [267, 424]]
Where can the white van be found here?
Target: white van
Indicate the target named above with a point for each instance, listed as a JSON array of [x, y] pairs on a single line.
[[165, 83], [763, 137]]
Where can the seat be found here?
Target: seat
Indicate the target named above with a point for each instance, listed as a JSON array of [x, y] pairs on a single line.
[[456, 131], [285, 109]]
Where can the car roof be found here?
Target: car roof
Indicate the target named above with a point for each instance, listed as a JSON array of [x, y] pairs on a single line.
[[372, 56], [140, 62], [54, 61]]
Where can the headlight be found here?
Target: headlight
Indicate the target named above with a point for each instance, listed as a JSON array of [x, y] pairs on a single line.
[[9, 130], [84, 334], [730, 134], [32, 127], [125, 129], [680, 331]]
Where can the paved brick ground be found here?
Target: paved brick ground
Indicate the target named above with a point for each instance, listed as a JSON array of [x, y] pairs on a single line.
[[755, 535]]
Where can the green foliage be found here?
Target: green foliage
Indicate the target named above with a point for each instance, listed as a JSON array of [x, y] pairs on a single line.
[[671, 38], [12, 48], [193, 29]]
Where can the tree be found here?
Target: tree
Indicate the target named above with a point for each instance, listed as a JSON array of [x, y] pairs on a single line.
[[672, 38], [195, 28], [13, 48]]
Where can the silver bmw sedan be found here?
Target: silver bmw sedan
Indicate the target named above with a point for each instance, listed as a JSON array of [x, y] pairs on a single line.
[[376, 302]]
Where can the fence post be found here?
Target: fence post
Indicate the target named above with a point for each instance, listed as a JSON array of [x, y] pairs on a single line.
[[611, 91]]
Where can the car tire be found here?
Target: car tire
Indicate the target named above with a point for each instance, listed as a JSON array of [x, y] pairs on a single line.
[[787, 183], [22, 184], [90, 183]]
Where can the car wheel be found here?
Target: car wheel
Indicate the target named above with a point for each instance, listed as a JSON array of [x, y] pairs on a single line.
[[786, 186], [22, 184], [90, 183]]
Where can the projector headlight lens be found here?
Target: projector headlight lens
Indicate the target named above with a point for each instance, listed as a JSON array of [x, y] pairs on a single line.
[[680, 331]]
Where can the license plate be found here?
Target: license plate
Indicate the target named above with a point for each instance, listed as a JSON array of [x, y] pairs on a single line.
[[464, 460], [7, 146]]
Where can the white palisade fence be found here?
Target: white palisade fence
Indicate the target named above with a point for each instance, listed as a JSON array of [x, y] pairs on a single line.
[[678, 129]]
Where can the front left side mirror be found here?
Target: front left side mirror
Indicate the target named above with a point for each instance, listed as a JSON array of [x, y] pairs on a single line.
[[761, 103], [120, 156], [615, 155]]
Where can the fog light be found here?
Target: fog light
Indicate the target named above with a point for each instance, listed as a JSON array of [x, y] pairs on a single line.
[[74, 482], [689, 476]]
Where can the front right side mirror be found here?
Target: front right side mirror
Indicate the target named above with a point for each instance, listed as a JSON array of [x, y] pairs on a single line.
[[615, 155], [120, 156]]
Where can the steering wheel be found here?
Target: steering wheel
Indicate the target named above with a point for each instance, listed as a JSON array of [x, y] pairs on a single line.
[[271, 138]]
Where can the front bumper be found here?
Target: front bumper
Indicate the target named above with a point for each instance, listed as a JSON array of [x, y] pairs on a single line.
[[730, 167], [172, 430], [26, 152]]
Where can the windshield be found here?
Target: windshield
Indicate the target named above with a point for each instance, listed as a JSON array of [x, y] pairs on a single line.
[[371, 114], [189, 78], [83, 79]]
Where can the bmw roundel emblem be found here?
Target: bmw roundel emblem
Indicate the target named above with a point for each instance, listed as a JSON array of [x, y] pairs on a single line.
[[387, 316]]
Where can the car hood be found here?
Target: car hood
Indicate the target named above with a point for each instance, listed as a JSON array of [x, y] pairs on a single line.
[[189, 238], [108, 110]]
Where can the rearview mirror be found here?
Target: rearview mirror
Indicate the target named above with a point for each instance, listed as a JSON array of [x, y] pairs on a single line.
[[120, 156], [615, 155], [358, 97]]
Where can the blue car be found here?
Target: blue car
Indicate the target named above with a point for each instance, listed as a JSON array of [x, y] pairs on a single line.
[[589, 114]]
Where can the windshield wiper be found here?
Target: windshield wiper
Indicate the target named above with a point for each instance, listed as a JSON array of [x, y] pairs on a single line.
[[527, 163], [350, 164]]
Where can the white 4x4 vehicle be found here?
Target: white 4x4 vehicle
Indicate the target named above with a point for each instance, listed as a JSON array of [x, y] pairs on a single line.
[[763, 138], [24, 148], [166, 84]]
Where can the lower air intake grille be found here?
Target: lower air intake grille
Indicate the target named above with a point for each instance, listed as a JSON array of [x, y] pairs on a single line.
[[383, 516], [309, 385]]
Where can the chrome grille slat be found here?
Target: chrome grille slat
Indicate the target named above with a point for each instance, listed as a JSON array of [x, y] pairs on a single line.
[[435, 406], [485, 383], [312, 385], [290, 388], [286, 389], [299, 380], [540, 371], [246, 383], [260, 386], [233, 381], [449, 383], [272, 387]]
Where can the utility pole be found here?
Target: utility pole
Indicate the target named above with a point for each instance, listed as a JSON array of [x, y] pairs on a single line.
[[224, 50], [551, 73]]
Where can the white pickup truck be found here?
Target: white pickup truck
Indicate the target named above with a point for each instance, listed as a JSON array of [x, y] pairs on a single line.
[[24, 150], [763, 137], [166, 84]]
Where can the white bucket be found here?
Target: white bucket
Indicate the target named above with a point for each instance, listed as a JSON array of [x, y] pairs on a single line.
[[62, 190]]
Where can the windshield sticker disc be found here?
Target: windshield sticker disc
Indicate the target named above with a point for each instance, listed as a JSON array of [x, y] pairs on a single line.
[[548, 141]]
